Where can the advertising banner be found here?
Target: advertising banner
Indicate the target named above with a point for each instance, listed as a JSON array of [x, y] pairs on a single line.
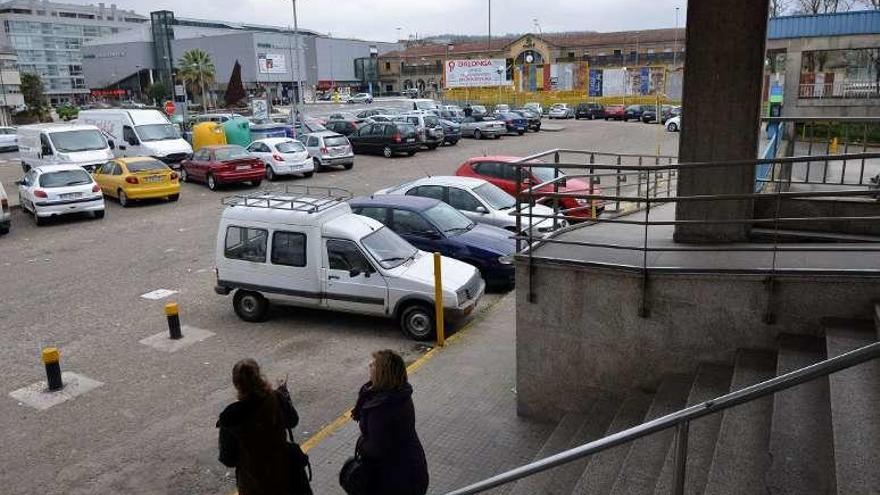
[[614, 82], [595, 82], [271, 63], [476, 72], [645, 81]]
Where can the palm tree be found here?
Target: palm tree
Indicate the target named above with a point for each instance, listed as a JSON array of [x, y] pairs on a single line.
[[197, 69]]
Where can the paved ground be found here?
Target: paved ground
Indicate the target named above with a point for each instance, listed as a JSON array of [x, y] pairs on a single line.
[[150, 427]]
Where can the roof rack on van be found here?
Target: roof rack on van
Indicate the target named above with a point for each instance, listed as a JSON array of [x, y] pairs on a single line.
[[307, 199]]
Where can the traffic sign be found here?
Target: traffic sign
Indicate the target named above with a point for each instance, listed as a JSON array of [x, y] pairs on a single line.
[[169, 107]]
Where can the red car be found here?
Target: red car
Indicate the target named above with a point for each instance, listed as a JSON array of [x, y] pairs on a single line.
[[615, 112], [499, 171], [223, 164]]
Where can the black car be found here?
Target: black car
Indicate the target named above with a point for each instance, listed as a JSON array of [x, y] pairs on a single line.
[[650, 114], [514, 122], [589, 111], [634, 112], [533, 119], [344, 127], [451, 131], [387, 138]]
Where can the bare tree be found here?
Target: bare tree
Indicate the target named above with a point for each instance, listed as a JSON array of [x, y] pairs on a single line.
[[825, 6], [780, 7]]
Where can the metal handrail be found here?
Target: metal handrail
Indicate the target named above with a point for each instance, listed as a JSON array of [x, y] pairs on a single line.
[[681, 420]]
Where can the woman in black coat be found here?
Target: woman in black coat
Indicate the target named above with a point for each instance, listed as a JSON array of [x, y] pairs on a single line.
[[389, 445]]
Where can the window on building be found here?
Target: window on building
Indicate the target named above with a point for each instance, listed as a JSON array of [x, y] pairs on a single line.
[[650, 51], [389, 88], [618, 52], [69, 15], [387, 65], [570, 54]]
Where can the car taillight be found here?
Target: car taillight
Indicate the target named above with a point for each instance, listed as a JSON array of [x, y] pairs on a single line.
[[131, 180], [39, 193], [324, 151], [96, 188], [396, 138], [277, 157], [174, 176], [4, 204]]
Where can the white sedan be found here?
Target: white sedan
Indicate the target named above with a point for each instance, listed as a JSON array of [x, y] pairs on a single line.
[[54, 190], [8, 139], [674, 124], [283, 156], [361, 98], [561, 111]]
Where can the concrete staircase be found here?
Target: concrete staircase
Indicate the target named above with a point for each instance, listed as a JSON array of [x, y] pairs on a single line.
[[821, 437]]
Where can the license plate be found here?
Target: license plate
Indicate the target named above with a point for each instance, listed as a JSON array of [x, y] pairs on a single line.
[[153, 178], [70, 195], [410, 140], [242, 167]]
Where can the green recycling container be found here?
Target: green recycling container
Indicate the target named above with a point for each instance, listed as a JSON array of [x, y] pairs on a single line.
[[238, 131]]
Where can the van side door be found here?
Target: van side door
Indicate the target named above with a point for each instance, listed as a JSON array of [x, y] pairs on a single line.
[[351, 282], [293, 264]]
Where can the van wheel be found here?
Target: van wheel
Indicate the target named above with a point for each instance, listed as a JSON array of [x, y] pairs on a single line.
[[99, 214], [417, 322], [123, 198], [250, 306], [478, 134], [174, 197], [348, 166], [411, 153], [212, 182], [387, 152], [38, 220]]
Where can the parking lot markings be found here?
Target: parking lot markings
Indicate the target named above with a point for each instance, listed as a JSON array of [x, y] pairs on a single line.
[[191, 335], [39, 397], [158, 294]]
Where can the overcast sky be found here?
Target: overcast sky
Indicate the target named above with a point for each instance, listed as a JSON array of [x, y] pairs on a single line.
[[378, 19]]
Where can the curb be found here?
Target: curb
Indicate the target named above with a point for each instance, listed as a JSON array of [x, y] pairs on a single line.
[[552, 128]]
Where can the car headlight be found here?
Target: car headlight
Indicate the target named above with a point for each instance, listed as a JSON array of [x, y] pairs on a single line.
[[505, 260], [582, 201]]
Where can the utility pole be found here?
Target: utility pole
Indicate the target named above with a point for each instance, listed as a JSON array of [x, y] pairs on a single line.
[[140, 90], [299, 83], [292, 81], [490, 26], [675, 40]]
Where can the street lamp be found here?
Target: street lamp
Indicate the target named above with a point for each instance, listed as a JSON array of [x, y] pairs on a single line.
[[675, 40], [449, 46]]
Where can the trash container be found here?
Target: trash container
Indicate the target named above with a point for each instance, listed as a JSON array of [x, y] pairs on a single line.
[[238, 131], [206, 134], [262, 131]]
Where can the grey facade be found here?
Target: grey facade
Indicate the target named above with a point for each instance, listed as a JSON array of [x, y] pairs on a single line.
[[48, 36]]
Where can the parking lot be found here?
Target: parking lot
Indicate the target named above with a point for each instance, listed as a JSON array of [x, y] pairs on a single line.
[[77, 284]]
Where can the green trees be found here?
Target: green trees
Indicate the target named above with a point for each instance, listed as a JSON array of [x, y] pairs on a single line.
[[158, 93], [34, 97], [196, 68]]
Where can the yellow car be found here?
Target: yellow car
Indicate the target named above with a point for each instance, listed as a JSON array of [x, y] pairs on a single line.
[[140, 177]]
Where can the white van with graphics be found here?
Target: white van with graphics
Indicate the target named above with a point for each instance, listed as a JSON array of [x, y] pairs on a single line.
[[304, 247], [62, 144], [140, 133]]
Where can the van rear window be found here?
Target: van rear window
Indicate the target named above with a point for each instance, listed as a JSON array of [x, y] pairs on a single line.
[[246, 244]]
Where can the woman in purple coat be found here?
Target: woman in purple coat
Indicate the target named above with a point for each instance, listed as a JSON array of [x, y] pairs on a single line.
[[389, 445]]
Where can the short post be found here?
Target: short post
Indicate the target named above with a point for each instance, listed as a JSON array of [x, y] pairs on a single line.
[[438, 302], [172, 313], [52, 360]]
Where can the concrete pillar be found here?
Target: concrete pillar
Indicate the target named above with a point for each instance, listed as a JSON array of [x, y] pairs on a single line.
[[724, 62], [793, 60]]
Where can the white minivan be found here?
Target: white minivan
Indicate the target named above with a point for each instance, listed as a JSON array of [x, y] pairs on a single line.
[[140, 133], [304, 247], [62, 144]]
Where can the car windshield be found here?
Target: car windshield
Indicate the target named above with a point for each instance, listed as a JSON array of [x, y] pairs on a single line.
[[157, 132], [143, 165], [388, 248], [545, 174], [84, 140], [230, 153], [496, 197], [65, 178], [290, 147], [448, 219], [335, 141]]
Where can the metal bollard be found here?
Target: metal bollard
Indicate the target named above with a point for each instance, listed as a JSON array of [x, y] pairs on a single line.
[[172, 312], [438, 302], [52, 360]]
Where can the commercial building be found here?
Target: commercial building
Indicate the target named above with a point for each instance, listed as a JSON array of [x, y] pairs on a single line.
[[126, 63], [47, 38], [11, 97]]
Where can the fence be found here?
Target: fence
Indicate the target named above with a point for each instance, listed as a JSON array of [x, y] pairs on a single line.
[[840, 89]]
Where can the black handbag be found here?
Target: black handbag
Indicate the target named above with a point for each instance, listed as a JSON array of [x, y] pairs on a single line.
[[354, 477], [300, 467]]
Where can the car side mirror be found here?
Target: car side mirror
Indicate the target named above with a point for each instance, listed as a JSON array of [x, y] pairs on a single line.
[[111, 144], [354, 272], [46, 151], [133, 141], [481, 210]]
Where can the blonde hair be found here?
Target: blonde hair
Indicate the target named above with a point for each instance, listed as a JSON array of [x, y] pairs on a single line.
[[389, 370]]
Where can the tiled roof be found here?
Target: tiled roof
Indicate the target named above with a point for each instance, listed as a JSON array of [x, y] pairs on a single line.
[[566, 40]]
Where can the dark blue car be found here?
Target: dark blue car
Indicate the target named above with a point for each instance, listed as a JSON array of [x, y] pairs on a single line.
[[515, 123], [432, 225]]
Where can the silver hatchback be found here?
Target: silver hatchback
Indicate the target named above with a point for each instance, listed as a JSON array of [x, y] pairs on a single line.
[[328, 148]]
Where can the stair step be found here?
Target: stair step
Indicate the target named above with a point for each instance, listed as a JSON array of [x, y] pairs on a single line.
[[785, 235], [713, 381], [855, 414], [602, 468], [740, 460], [560, 480], [645, 459], [801, 441]]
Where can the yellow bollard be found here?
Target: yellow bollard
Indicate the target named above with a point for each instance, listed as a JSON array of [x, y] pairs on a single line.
[[438, 302], [51, 358], [834, 146]]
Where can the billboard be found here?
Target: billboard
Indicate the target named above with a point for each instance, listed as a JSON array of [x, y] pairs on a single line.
[[476, 72], [271, 63]]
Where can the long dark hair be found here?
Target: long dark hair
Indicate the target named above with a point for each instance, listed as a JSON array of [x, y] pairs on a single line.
[[389, 370], [248, 380]]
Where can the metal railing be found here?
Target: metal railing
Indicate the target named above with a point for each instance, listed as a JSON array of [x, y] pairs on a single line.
[[680, 420], [847, 88]]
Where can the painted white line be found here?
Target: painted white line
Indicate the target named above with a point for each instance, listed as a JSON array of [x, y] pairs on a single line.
[[163, 343], [39, 397], [158, 294]]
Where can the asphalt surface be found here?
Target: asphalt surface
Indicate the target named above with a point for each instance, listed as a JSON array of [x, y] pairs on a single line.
[[76, 284]]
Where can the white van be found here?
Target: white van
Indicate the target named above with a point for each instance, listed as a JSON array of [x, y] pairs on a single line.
[[140, 133], [5, 216], [62, 144], [304, 247]]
